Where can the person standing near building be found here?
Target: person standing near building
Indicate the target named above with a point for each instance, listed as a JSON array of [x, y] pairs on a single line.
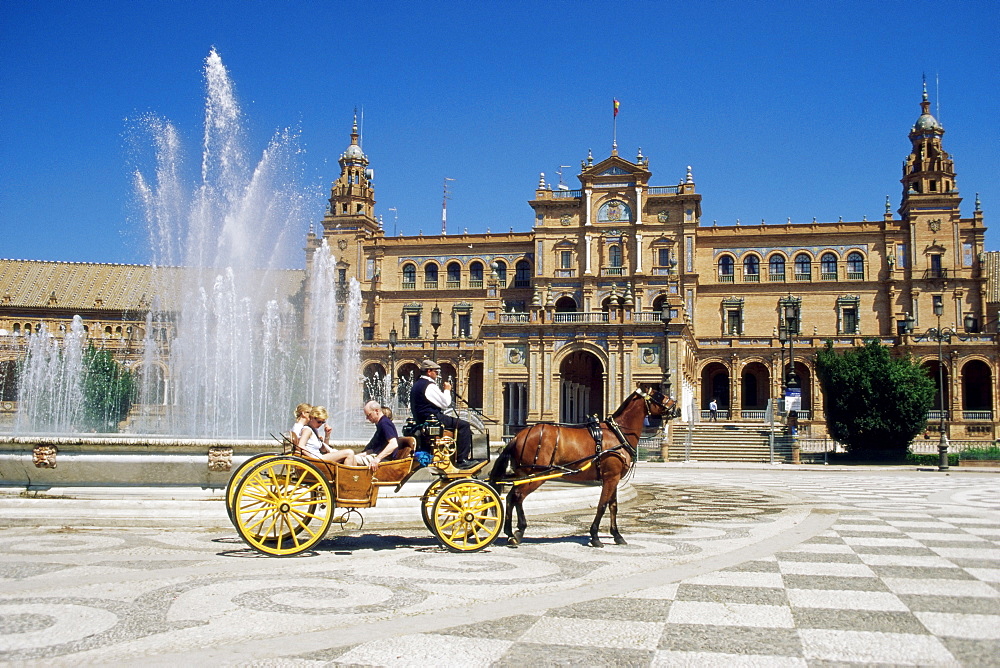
[[713, 410], [427, 399]]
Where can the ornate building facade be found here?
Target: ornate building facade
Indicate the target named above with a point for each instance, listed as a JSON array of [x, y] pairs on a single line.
[[619, 282]]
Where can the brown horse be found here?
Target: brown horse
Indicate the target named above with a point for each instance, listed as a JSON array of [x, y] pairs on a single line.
[[547, 450]]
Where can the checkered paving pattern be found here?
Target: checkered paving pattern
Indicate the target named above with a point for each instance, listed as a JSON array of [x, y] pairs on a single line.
[[909, 582]]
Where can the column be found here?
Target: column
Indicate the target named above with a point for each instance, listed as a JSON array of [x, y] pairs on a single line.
[[638, 253], [587, 238]]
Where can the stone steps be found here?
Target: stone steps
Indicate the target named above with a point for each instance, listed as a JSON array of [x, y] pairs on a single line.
[[728, 442]]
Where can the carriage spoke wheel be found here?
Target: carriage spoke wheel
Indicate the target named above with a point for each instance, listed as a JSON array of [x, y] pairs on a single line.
[[427, 502], [237, 475], [467, 515], [283, 506]]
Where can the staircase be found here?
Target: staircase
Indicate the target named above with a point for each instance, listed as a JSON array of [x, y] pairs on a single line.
[[729, 442]]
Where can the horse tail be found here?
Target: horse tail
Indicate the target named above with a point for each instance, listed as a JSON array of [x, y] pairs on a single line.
[[499, 469]]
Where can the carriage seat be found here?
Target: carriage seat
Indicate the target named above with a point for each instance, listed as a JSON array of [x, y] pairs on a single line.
[[417, 431]]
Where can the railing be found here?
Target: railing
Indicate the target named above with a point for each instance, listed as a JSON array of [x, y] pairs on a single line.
[[662, 190], [559, 194], [828, 276], [936, 273], [776, 278], [977, 415], [514, 318], [453, 285], [409, 285], [476, 283], [647, 316], [430, 285], [613, 271], [581, 317], [522, 282], [753, 415], [565, 273], [935, 416], [719, 414], [855, 275], [662, 271], [803, 277], [751, 278], [726, 278]]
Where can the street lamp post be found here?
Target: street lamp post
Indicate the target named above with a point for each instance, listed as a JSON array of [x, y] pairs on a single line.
[[783, 339], [393, 339], [939, 334], [666, 315], [435, 323], [791, 327]]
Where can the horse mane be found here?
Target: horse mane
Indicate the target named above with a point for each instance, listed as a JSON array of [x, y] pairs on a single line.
[[625, 404]]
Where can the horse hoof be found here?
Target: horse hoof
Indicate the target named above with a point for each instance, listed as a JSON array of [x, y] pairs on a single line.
[[596, 542], [620, 541], [512, 541]]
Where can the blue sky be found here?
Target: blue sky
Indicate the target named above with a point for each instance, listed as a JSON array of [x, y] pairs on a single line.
[[792, 109]]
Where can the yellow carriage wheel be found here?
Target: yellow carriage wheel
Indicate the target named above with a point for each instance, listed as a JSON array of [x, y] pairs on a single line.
[[427, 502], [467, 515], [283, 506], [237, 475]]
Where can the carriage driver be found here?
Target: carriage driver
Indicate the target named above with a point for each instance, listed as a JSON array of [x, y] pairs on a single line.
[[385, 441], [427, 399]]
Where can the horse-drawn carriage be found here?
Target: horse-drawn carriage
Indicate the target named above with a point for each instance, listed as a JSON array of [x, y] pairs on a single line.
[[283, 503]]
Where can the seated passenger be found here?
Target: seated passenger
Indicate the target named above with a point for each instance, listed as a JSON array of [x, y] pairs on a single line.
[[385, 441], [319, 448], [301, 418]]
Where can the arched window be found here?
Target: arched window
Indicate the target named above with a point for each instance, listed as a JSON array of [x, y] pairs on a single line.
[[522, 274], [501, 269], [566, 305], [726, 268], [454, 274], [828, 267], [855, 266], [776, 268], [476, 274], [430, 275], [751, 269], [803, 267], [410, 276], [17, 328], [615, 255]]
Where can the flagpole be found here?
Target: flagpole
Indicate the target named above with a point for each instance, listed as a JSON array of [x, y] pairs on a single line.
[[614, 129]]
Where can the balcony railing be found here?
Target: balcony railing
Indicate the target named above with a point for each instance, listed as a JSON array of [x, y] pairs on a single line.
[[776, 278], [977, 415], [476, 283], [560, 194], [514, 318], [565, 273], [522, 282], [753, 415], [751, 278], [581, 317], [430, 285], [662, 190], [935, 416], [647, 316], [726, 278], [855, 275], [409, 285], [662, 271], [613, 271], [828, 276], [453, 285], [803, 277]]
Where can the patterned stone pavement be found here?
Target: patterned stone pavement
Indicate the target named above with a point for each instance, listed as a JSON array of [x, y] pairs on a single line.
[[774, 567]]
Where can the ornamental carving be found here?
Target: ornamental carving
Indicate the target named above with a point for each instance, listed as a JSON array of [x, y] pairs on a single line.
[[44, 456], [934, 224], [220, 459]]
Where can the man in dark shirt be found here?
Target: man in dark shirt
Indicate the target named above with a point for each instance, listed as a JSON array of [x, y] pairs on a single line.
[[427, 399], [385, 441]]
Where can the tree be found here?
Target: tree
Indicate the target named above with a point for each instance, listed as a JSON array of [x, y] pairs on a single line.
[[108, 390], [875, 403]]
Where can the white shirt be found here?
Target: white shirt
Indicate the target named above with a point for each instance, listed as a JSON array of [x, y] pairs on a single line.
[[435, 395]]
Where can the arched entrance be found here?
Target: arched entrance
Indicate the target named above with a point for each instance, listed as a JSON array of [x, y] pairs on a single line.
[[977, 388], [566, 305], [755, 387], [474, 389], [804, 378], [581, 390], [375, 385], [715, 385], [935, 371], [8, 380]]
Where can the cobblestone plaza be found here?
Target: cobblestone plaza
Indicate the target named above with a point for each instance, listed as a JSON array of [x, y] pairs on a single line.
[[737, 566]]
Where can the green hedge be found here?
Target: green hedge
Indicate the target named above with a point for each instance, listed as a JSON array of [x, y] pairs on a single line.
[[931, 460], [992, 452]]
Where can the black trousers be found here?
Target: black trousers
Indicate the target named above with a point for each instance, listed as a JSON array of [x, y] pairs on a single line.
[[463, 434]]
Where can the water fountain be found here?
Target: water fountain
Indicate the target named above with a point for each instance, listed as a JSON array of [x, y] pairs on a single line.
[[239, 359]]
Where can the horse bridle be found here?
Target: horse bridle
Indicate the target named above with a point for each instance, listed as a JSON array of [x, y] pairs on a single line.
[[651, 398]]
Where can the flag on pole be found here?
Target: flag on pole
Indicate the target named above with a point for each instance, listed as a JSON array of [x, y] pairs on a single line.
[[616, 109]]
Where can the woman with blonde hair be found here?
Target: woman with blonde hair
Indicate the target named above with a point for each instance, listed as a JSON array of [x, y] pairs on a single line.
[[301, 417], [317, 446]]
